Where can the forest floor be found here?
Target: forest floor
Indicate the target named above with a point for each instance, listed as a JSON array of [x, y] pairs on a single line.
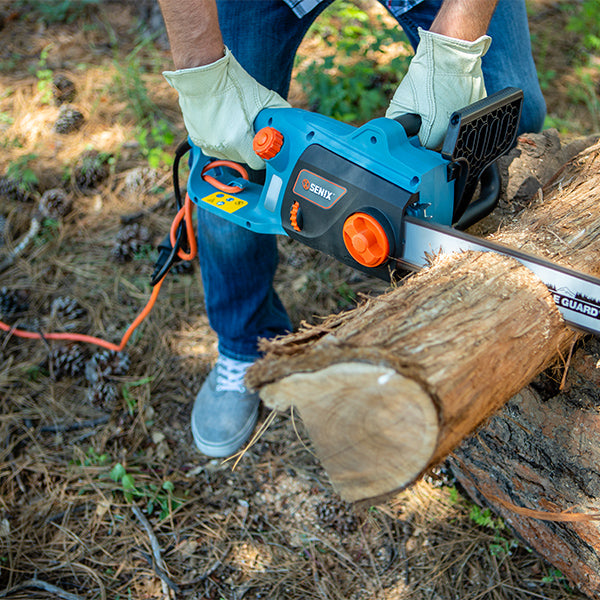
[[90, 440]]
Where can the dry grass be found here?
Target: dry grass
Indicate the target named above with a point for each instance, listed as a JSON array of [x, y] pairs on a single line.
[[271, 527]]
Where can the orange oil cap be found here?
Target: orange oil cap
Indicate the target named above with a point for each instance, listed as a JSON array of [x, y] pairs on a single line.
[[267, 142], [366, 240]]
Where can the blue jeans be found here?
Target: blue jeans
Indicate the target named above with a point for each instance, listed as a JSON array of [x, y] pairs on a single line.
[[238, 265]]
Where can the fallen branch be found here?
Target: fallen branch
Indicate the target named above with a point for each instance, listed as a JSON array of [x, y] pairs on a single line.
[[40, 585], [34, 228], [160, 569]]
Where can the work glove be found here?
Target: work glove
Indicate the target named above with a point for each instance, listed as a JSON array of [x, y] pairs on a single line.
[[443, 76], [219, 103]]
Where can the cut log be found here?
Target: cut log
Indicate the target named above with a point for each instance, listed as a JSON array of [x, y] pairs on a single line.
[[449, 347], [388, 389]]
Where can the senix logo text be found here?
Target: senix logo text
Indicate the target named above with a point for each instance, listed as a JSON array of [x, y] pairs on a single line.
[[317, 189]]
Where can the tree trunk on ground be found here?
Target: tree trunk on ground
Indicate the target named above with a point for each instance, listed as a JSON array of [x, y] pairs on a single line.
[[542, 450], [543, 454], [389, 389]]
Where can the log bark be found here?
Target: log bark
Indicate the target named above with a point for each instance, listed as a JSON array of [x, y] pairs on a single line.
[[388, 389], [448, 347], [542, 453]]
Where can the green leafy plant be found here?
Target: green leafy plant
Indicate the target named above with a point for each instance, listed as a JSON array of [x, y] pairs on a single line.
[[93, 459], [6, 119], [22, 176], [44, 76], [501, 545], [153, 141], [129, 399], [546, 74], [351, 83], [58, 11], [128, 83], [153, 133], [48, 232], [584, 92], [585, 20], [157, 497]]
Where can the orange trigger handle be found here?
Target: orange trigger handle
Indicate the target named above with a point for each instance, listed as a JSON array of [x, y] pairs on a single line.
[[229, 189]]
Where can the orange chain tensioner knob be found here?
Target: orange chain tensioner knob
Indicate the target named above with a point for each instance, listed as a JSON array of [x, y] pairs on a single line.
[[366, 240], [296, 217], [267, 142]]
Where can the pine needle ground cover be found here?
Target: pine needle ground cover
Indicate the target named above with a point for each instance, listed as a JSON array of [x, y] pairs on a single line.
[[102, 494]]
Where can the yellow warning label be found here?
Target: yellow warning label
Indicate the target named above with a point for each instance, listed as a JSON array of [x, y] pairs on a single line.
[[225, 202]]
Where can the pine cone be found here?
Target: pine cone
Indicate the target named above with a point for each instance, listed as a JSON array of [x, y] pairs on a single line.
[[139, 180], [13, 302], [66, 361], [106, 364], [337, 515], [91, 170], [69, 120], [183, 267], [103, 393], [55, 203], [63, 90], [64, 308], [15, 190], [129, 242]]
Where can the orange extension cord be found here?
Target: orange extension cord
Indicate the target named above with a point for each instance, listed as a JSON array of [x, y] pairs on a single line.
[[184, 213]]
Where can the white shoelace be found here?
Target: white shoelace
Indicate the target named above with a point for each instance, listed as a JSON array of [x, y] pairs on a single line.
[[230, 374]]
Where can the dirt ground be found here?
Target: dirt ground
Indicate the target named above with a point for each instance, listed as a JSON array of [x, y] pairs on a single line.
[[97, 462]]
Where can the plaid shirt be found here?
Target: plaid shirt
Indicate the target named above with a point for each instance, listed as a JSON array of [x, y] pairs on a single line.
[[396, 7]]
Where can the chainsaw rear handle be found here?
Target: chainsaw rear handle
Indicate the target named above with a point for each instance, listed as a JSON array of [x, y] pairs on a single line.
[[411, 123]]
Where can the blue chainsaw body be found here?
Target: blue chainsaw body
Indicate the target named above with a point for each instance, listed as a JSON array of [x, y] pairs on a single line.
[[380, 147], [324, 173]]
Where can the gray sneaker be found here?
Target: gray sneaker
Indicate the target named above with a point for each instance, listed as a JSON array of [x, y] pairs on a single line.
[[225, 412]]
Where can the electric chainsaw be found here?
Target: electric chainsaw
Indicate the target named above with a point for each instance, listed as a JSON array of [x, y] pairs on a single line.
[[375, 199]]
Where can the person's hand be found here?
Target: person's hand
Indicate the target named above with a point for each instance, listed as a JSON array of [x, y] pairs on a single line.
[[443, 76], [219, 103]]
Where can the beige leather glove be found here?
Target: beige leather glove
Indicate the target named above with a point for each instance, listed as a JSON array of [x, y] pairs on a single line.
[[443, 76], [219, 103]]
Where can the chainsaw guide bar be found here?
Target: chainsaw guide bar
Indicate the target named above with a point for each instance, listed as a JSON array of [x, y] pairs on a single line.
[[576, 295]]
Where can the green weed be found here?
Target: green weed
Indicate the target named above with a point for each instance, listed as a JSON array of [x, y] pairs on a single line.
[[129, 399], [44, 76], [584, 92], [546, 75], [58, 11], [153, 142], [500, 545], [351, 84], [585, 20], [34, 372], [93, 459], [157, 497], [48, 232], [153, 133], [22, 175], [555, 577], [128, 83]]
